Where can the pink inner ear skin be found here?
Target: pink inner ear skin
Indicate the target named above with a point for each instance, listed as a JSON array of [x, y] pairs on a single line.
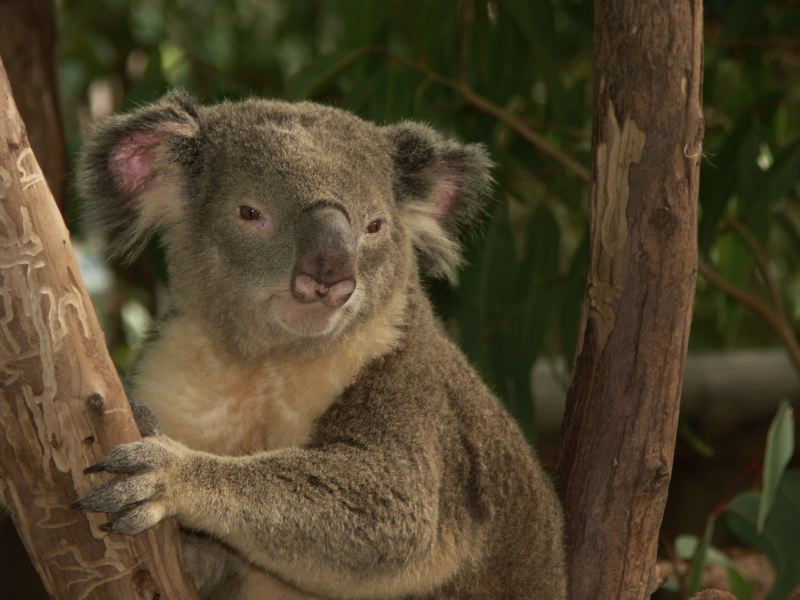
[[132, 162], [447, 197]]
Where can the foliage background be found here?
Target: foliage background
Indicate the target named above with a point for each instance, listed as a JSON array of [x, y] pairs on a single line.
[[483, 71]]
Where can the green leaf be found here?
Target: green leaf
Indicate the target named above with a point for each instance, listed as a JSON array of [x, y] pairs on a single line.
[[309, 81], [687, 548], [698, 444], [537, 288], [700, 558], [485, 301], [538, 281], [753, 184], [535, 19], [740, 16], [781, 538], [362, 21], [785, 172], [735, 264], [740, 586], [718, 181], [780, 448]]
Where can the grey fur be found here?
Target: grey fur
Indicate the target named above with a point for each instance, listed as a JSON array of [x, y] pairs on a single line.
[[413, 482]]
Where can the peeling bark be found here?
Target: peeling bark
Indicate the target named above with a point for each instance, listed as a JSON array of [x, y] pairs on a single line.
[[62, 406], [619, 432]]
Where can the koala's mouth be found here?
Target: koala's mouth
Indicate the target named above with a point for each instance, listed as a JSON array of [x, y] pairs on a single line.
[[307, 319]]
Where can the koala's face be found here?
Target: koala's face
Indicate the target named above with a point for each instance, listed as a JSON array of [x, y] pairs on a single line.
[[285, 225]]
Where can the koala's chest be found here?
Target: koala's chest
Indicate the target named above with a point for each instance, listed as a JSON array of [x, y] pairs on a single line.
[[217, 406], [236, 414]]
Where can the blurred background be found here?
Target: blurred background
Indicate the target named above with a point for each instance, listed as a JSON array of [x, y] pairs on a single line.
[[515, 75]]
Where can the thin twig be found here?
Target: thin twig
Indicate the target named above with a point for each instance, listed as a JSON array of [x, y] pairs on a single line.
[[777, 322], [762, 263]]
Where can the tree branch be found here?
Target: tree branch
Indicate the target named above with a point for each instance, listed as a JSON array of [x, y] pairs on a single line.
[[485, 105], [779, 323], [63, 406], [618, 436], [762, 263]]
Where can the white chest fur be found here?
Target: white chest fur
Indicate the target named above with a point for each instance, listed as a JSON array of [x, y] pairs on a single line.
[[207, 401]]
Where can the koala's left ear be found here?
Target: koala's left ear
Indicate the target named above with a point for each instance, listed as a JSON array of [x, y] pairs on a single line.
[[439, 187], [134, 167]]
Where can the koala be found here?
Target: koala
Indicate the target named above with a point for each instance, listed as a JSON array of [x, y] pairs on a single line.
[[307, 420]]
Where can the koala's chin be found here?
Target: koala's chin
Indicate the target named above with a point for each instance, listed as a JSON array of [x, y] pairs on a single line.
[[316, 319]]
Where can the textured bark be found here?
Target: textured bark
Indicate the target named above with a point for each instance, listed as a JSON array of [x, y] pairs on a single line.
[[622, 407], [28, 48], [62, 406]]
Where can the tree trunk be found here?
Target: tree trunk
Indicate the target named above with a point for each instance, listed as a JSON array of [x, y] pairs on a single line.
[[62, 407], [622, 407], [28, 47]]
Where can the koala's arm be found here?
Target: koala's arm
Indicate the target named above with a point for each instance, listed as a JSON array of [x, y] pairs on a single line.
[[341, 518]]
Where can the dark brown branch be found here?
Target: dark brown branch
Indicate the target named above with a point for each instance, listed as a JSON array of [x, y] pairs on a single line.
[[513, 121], [762, 264], [779, 323], [620, 426]]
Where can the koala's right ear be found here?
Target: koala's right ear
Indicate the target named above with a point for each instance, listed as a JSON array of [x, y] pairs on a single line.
[[439, 187], [133, 169]]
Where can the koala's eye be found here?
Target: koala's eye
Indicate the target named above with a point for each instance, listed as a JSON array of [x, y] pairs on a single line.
[[375, 226], [249, 213]]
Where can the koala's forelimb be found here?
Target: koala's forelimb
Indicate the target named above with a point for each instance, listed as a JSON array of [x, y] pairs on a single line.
[[290, 511]]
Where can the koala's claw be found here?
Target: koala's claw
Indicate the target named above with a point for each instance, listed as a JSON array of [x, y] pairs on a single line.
[[135, 519], [133, 458], [121, 494], [138, 500]]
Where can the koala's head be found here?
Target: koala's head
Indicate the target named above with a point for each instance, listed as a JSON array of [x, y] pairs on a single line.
[[285, 225]]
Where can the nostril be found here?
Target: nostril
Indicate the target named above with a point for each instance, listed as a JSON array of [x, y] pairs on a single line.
[[304, 288], [340, 293], [307, 289]]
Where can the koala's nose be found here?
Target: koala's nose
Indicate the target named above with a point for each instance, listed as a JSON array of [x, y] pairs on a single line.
[[325, 268]]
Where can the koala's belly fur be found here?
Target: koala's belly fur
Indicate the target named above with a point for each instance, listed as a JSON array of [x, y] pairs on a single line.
[[211, 403]]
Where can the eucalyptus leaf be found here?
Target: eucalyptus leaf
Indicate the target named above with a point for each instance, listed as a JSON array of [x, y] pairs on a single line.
[[741, 587], [780, 540], [700, 557], [779, 450], [308, 82]]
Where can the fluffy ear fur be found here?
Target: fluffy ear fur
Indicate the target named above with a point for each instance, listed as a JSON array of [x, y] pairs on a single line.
[[439, 186], [133, 169]]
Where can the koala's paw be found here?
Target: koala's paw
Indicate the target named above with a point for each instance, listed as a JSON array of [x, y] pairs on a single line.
[[141, 497]]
